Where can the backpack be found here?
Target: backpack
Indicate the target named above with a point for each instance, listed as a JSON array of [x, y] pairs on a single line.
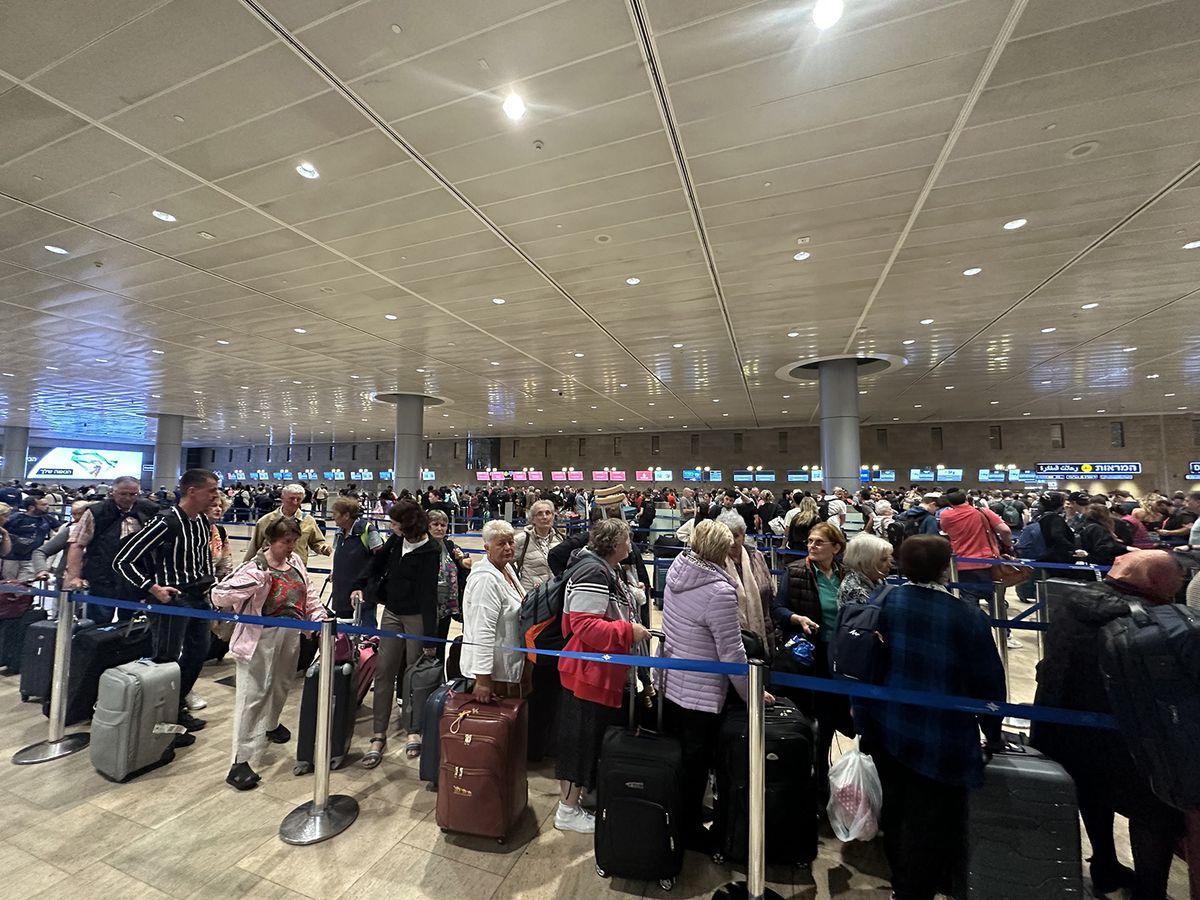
[[1032, 543], [894, 533], [910, 525], [857, 651], [540, 620], [1151, 665], [823, 510], [1011, 515]]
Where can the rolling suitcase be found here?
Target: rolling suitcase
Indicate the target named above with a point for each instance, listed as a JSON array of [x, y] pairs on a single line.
[[95, 650], [791, 819], [12, 637], [482, 784], [431, 743], [638, 799], [135, 720], [37, 658], [344, 713], [1023, 830], [421, 679], [364, 672]]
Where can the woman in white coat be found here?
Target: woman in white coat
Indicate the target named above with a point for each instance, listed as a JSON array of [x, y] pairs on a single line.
[[273, 584], [491, 612]]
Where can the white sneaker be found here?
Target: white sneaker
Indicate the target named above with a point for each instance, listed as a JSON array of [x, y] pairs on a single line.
[[194, 701], [574, 818], [1014, 644]]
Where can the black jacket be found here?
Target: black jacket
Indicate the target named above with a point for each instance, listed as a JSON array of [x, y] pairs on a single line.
[[1060, 541], [406, 584], [1101, 545]]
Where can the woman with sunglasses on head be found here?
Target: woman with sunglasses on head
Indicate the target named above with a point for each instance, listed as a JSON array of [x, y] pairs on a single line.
[[808, 606]]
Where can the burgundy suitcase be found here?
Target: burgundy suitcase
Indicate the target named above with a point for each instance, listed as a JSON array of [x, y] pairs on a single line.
[[482, 788]]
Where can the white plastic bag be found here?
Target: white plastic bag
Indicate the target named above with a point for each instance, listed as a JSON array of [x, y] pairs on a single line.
[[855, 796]]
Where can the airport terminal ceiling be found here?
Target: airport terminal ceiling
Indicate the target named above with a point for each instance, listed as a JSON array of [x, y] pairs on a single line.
[[257, 214]]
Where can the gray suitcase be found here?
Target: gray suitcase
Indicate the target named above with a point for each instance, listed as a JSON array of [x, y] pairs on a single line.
[[135, 719], [421, 679], [1023, 830]]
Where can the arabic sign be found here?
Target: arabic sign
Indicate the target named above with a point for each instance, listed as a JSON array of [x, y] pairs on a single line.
[[1089, 469]]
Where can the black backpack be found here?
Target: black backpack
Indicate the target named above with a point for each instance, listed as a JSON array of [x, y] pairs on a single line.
[[1151, 665], [910, 525], [1011, 515], [858, 651]]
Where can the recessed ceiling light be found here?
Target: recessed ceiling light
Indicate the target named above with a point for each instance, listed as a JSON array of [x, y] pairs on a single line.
[[296, 382], [1049, 330], [495, 363], [716, 399], [157, 396], [651, 403], [827, 12], [307, 170], [159, 352], [916, 406], [353, 376], [1152, 376], [53, 249], [499, 301], [622, 384], [445, 415], [1047, 381], [1181, 407], [793, 334], [1101, 410], [1025, 414], [391, 317], [909, 342], [787, 396], [1089, 306], [725, 415], [99, 360], [579, 356], [420, 370], [632, 280], [927, 321], [513, 106], [677, 346], [197, 392], [949, 387], [1015, 224], [995, 402], [7, 374], [1192, 245], [974, 270], [1165, 395], [783, 412], [801, 256], [164, 216], [862, 392], [207, 236], [1128, 349], [895, 418], [1076, 398], [593, 407], [223, 343], [300, 330]]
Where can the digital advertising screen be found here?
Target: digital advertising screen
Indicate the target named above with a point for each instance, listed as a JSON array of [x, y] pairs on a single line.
[[86, 464], [764, 476], [795, 475], [742, 475], [691, 474], [599, 475], [617, 475], [643, 475], [663, 475]]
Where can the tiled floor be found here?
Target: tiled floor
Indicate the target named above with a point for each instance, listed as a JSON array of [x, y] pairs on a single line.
[[181, 832]]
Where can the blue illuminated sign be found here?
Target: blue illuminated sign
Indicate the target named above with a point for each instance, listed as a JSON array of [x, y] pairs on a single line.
[[885, 475], [921, 475], [797, 475], [764, 476], [997, 475], [743, 475], [949, 474], [692, 475], [1089, 469]]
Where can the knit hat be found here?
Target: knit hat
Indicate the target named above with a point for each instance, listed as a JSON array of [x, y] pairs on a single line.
[[1152, 574]]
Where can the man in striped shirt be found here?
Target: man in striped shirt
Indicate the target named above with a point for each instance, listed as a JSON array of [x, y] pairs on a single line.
[[170, 561]]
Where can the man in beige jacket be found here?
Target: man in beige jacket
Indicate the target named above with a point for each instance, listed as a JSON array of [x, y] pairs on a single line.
[[311, 540]]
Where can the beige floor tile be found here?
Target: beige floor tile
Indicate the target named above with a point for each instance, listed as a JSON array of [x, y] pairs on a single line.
[[560, 864], [192, 849], [19, 813], [414, 874], [701, 876], [70, 841], [25, 874], [328, 868], [483, 853], [56, 785], [103, 881], [235, 883]]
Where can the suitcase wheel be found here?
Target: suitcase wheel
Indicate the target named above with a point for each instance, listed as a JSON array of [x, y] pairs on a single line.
[[719, 858], [302, 768], [601, 872], [666, 883], [445, 831]]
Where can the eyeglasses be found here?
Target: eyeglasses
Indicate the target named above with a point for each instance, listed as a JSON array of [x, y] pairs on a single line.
[[818, 543]]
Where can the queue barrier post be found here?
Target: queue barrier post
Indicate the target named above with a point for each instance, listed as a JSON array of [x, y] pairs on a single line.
[[755, 885], [1042, 614], [58, 744], [998, 612], [954, 576], [324, 816]]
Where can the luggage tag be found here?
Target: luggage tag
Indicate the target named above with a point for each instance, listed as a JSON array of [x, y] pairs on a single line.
[[168, 728]]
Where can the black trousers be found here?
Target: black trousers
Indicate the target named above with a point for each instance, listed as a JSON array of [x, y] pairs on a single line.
[[924, 829], [184, 640], [698, 732], [1152, 835]]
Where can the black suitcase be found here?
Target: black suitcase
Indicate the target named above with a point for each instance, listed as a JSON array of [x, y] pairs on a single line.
[[431, 740], [1023, 830], [791, 816], [94, 650], [12, 637], [638, 800], [344, 714], [37, 658]]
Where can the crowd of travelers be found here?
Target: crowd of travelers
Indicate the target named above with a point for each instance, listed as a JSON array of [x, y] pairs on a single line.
[[720, 602]]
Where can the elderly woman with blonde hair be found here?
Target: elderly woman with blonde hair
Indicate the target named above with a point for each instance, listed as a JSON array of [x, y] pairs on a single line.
[[867, 562], [755, 586]]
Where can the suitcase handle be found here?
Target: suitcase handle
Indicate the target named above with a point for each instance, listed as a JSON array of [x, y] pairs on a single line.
[[633, 695]]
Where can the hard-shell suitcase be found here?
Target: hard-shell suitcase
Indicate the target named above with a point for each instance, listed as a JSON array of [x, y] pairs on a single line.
[[12, 637], [792, 818], [421, 679], [431, 743], [345, 711], [639, 794], [1151, 665], [135, 720], [364, 671], [482, 784], [37, 658], [94, 651], [1023, 830]]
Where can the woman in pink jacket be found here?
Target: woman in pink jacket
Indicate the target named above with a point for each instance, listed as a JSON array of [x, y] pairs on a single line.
[[274, 584]]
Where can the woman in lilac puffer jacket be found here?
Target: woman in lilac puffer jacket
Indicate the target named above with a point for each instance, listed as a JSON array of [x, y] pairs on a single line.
[[700, 619]]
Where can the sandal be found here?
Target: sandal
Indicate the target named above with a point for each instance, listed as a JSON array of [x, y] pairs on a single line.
[[412, 749], [374, 756]]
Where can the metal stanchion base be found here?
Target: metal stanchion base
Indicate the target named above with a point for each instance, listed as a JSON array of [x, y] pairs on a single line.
[[44, 751], [738, 890], [305, 825]]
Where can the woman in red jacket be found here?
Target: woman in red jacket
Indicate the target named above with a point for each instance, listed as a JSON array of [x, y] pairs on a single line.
[[599, 616]]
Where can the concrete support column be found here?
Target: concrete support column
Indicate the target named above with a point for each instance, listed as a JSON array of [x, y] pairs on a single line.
[[410, 430], [168, 451], [840, 457], [16, 449]]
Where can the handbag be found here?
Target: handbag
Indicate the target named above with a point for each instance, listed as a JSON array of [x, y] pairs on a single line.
[[777, 527], [1007, 574]]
